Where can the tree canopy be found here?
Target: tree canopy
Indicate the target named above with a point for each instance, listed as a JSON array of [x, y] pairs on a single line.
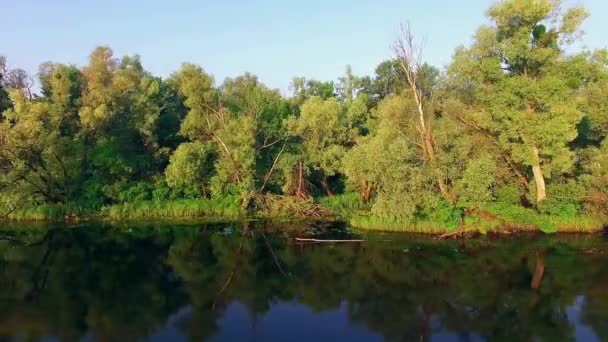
[[518, 118]]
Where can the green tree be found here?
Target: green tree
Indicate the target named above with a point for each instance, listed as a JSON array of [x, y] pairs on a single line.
[[191, 163], [512, 75], [321, 129], [4, 98]]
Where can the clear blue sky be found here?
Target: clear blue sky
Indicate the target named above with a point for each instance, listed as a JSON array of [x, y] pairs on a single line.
[[275, 39]]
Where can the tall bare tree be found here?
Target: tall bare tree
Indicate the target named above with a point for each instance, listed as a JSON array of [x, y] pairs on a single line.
[[408, 52]]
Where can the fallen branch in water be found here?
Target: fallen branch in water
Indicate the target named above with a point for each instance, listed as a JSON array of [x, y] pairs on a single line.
[[327, 241]]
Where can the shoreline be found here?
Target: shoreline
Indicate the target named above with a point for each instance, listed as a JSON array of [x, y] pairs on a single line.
[[583, 224]]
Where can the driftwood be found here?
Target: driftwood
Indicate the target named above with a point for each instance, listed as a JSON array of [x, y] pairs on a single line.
[[326, 241]]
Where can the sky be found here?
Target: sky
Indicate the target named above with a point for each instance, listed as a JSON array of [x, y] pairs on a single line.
[[274, 39]]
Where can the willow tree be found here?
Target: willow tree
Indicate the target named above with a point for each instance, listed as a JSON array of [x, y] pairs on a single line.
[[208, 122], [5, 102], [513, 75], [35, 160], [321, 128], [191, 163], [97, 108]]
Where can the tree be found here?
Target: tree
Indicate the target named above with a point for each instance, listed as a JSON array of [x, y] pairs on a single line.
[[388, 162], [98, 109], [409, 56], [512, 75], [191, 163], [242, 119], [304, 89], [321, 129], [34, 159], [4, 98]]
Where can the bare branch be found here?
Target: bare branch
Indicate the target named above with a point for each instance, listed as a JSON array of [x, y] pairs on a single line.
[[274, 164], [409, 55]]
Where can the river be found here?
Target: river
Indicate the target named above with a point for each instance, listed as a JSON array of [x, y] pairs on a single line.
[[255, 282]]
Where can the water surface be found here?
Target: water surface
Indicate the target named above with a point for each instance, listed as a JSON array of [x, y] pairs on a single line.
[[254, 282]]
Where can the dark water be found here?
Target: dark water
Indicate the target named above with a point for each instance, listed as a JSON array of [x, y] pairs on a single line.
[[250, 282]]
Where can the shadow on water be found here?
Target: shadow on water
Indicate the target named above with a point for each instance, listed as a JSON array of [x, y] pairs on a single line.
[[245, 281]]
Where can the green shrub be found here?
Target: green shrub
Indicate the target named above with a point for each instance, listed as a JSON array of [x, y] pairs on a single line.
[[508, 194], [139, 191], [447, 215], [563, 199], [345, 205]]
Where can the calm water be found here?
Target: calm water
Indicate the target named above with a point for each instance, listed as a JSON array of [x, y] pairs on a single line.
[[250, 282]]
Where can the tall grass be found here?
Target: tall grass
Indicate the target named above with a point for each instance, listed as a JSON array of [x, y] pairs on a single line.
[[225, 207], [50, 212], [519, 218], [507, 217], [345, 205], [379, 224], [578, 224]]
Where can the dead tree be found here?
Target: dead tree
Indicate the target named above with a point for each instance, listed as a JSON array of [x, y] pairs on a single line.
[[409, 55]]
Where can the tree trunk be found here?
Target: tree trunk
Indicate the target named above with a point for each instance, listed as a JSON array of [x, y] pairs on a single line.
[[366, 193], [430, 154], [326, 187], [204, 191], [301, 190], [300, 179], [539, 179]]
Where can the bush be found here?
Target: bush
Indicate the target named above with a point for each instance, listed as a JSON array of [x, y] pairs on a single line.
[[345, 205], [508, 194], [564, 199], [447, 215], [139, 191]]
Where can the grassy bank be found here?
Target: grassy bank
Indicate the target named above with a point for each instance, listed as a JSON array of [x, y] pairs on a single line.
[[494, 218], [56, 212], [221, 208], [373, 223], [347, 207]]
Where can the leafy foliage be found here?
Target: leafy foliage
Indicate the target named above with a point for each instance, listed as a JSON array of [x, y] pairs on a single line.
[[517, 122]]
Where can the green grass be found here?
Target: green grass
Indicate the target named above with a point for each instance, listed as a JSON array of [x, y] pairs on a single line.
[[501, 217], [374, 223], [578, 224], [50, 212], [517, 217], [481, 225], [226, 207], [345, 205], [349, 207]]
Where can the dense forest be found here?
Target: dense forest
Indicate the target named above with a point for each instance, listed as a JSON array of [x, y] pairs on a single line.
[[514, 130]]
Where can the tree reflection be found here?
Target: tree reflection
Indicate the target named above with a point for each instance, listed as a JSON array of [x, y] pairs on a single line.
[[124, 283]]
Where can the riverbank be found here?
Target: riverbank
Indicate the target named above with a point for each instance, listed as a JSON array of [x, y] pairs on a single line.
[[348, 208]]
